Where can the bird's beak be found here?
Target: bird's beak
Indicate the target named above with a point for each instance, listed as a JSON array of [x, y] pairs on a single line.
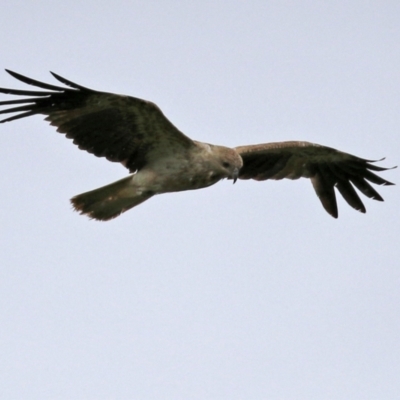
[[235, 174]]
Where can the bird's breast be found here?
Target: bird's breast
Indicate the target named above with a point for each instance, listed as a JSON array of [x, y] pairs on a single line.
[[175, 176]]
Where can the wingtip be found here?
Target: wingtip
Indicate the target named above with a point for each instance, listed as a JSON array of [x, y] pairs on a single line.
[[54, 74], [67, 82], [334, 213], [58, 77], [12, 73]]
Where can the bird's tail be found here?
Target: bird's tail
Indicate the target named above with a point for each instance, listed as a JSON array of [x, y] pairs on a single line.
[[110, 201]]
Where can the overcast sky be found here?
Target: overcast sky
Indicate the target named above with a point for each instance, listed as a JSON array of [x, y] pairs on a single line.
[[249, 291]]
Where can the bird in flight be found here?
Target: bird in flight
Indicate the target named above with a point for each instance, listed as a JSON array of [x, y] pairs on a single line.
[[161, 159]]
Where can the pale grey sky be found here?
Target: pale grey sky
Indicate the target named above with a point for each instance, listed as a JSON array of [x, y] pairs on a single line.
[[249, 291]]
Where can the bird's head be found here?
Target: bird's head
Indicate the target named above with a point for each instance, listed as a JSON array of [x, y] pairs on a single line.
[[230, 162]]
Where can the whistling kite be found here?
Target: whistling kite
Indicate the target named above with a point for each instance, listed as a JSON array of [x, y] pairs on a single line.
[[162, 159]]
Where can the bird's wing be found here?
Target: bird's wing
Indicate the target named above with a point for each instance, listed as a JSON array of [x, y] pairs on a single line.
[[326, 167], [120, 128]]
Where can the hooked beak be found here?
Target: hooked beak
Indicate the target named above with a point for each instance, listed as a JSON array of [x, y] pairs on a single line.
[[235, 175]]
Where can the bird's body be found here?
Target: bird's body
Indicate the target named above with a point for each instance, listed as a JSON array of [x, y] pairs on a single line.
[[162, 159], [194, 170]]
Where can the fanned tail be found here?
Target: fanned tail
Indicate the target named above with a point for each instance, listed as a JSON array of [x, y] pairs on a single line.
[[110, 201]]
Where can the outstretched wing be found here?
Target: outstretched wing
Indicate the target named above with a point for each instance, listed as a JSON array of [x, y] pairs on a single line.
[[120, 128], [326, 167]]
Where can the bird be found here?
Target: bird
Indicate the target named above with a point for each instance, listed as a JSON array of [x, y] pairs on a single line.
[[162, 159]]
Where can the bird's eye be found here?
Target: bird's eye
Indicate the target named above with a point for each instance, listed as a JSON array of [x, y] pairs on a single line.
[[226, 164]]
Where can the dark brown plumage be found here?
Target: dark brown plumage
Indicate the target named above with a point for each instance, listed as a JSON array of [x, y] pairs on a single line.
[[136, 133], [326, 167]]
